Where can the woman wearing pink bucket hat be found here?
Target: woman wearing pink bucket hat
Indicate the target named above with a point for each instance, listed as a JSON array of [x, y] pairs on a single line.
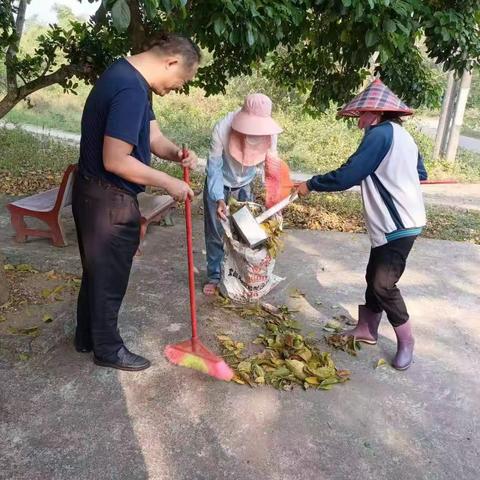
[[239, 145]]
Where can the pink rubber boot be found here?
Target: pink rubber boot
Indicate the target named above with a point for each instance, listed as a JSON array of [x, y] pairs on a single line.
[[366, 330], [405, 344]]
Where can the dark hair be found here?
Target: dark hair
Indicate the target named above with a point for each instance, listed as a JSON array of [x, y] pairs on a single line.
[[174, 44], [392, 117]]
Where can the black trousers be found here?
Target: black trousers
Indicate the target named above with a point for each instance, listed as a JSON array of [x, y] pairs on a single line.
[[385, 267], [108, 229]]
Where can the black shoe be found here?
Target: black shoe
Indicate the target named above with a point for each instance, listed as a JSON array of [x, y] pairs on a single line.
[[125, 361], [82, 348]]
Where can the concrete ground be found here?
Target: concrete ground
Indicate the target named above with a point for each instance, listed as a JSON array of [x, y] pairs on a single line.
[[64, 418]]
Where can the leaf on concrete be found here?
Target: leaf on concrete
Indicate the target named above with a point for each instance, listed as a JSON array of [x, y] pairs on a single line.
[[380, 362], [51, 275], [31, 331], [25, 267], [296, 293], [333, 326], [46, 292]]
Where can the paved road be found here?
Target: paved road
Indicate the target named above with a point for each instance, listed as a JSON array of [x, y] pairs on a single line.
[[429, 127]]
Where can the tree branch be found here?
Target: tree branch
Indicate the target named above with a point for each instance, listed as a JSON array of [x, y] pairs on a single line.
[[59, 76]]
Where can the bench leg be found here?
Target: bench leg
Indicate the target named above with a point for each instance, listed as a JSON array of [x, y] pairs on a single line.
[[20, 227], [143, 232], [58, 235], [168, 218]]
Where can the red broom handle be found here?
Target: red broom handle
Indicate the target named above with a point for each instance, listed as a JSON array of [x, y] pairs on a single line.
[[191, 273]]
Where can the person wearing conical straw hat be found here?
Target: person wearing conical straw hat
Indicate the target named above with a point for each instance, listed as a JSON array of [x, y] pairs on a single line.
[[240, 143], [388, 167]]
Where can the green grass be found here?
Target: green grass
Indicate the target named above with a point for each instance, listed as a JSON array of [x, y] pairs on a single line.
[[23, 153], [308, 144], [29, 164], [343, 212], [314, 145]]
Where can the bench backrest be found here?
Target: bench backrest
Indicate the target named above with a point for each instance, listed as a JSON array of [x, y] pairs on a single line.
[[64, 197]]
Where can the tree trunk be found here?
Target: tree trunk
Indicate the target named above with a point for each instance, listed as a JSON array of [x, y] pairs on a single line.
[[13, 47], [7, 103], [443, 122], [457, 122], [136, 31]]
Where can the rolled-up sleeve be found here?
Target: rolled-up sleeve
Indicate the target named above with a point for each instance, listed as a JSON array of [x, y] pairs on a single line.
[[214, 169]]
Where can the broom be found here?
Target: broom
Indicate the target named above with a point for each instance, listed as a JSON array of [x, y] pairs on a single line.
[[278, 184], [192, 353]]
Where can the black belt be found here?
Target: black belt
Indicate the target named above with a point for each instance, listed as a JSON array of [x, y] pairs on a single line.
[[105, 184], [235, 189]]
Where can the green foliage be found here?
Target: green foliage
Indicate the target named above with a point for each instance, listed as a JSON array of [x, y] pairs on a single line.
[[7, 24], [322, 49], [340, 37]]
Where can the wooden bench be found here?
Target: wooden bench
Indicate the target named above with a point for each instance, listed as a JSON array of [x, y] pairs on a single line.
[[45, 206], [154, 209]]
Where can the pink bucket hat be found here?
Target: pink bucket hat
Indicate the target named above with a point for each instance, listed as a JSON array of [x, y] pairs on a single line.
[[252, 130], [255, 117]]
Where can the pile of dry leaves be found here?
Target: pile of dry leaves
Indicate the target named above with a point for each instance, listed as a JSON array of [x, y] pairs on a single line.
[[287, 358]]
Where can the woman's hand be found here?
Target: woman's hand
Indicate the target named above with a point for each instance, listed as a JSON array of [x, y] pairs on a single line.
[[222, 209], [303, 190]]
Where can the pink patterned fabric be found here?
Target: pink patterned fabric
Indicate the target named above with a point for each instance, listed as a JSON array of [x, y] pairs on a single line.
[[377, 97]]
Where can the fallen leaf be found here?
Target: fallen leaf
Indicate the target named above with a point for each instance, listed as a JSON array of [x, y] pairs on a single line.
[[51, 275], [380, 362], [25, 267], [296, 293], [333, 326], [32, 331], [46, 292], [47, 318]]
